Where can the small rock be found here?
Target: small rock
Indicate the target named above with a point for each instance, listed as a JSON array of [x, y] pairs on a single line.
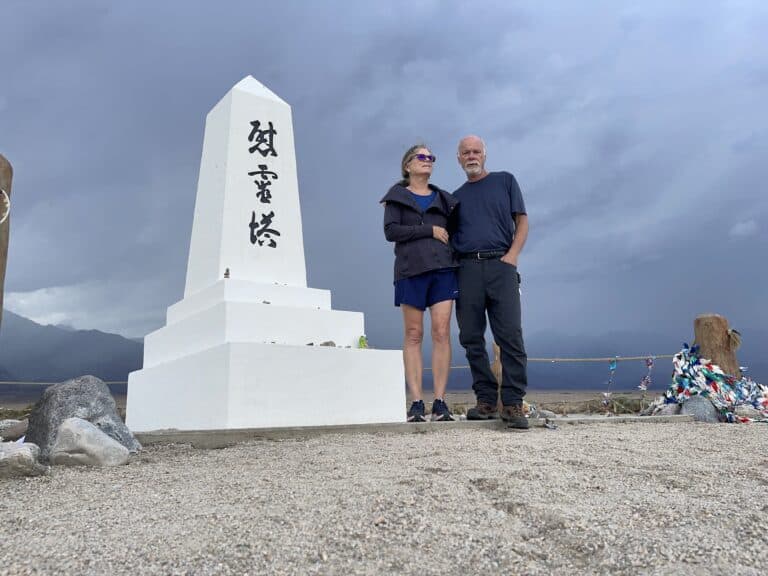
[[5, 424], [80, 443], [530, 409], [747, 411], [701, 408], [671, 409], [14, 431], [18, 460], [328, 343], [652, 407]]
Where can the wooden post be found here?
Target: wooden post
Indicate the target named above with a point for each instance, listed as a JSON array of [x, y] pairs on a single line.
[[496, 366], [496, 369], [6, 175], [717, 342]]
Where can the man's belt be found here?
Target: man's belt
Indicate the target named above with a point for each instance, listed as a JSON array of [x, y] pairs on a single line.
[[483, 255]]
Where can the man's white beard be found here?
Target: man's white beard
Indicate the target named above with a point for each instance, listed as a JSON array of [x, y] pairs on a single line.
[[473, 170]]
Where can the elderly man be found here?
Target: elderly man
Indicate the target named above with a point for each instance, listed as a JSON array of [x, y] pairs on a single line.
[[491, 230]]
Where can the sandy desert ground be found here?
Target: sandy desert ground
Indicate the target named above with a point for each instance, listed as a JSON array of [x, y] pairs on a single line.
[[677, 498]]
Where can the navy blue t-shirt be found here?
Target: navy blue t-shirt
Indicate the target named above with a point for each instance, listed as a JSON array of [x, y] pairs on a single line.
[[424, 201], [486, 213]]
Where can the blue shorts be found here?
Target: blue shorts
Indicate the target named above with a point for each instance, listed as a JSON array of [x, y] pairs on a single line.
[[425, 289]]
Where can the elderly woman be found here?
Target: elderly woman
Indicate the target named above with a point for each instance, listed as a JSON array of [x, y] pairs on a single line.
[[416, 217]]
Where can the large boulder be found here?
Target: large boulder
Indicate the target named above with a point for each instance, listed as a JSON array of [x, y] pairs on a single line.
[[85, 397], [80, 443], [17, 460], [701, 408]]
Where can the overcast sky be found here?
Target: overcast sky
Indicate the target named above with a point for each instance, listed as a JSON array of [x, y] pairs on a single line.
[[637, 130]]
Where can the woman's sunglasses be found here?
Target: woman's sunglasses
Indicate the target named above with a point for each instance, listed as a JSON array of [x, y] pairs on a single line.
[[424, 157]]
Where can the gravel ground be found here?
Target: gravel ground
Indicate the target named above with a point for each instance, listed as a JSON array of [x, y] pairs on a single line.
[[679, 498]]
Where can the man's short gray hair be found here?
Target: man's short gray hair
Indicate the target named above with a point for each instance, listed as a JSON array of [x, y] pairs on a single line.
[[473, 136]]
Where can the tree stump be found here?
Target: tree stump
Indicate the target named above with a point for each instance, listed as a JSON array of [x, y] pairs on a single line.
[[6, 175], [717, 342]]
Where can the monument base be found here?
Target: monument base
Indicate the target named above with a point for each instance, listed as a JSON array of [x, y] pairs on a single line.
[[254, 385]]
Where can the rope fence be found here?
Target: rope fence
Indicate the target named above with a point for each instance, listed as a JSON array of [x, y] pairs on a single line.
[[607, 359], [552, 360]]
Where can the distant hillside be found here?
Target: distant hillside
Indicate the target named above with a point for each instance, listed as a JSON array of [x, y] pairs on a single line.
[[32, 352]]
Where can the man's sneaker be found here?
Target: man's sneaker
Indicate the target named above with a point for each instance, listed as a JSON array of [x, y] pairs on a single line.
[[514, 416], [416, 412], [482, 411], [440, 412]]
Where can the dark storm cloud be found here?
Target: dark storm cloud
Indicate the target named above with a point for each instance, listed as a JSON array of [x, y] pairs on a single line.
[[635, 130]]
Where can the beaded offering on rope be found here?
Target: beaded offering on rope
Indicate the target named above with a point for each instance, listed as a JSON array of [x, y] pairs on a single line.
[[645, 382], [612, 371]]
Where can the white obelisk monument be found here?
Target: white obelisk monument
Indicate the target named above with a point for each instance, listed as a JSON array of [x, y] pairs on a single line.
[[242, 348]]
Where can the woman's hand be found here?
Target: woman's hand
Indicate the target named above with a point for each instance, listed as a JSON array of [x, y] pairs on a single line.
[[440, 233]]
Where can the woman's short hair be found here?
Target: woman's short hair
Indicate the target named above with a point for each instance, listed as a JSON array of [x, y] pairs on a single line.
[[407, 157]]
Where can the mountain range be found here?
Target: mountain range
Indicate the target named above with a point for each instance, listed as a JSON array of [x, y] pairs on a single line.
[[31, 352]]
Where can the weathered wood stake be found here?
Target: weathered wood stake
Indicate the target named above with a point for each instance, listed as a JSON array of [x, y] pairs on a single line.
[[6, 175], [496, 366], [717, 342]]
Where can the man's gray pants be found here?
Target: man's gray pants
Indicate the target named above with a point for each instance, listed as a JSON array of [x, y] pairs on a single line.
[[493, 286]]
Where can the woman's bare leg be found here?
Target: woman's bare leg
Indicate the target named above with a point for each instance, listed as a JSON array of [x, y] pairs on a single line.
[[413, 322], [440, 314]]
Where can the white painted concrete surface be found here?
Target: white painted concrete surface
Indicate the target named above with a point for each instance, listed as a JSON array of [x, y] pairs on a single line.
[[252, 323], [235, 351], [232, 290], [227, 194], [266, 386]]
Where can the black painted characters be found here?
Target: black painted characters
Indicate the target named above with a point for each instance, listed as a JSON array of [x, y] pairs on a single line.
[[262, 232]]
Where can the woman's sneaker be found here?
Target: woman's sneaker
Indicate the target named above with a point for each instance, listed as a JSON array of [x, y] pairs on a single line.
[[416, 412], [440, 412]]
